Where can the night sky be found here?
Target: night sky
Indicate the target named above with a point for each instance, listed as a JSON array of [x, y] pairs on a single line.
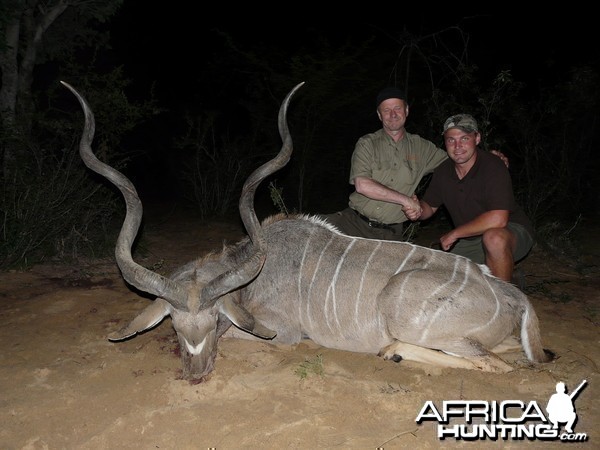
[[171, 44], [171, 47]]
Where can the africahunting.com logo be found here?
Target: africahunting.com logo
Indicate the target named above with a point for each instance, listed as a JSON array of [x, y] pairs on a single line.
[[507, 420]]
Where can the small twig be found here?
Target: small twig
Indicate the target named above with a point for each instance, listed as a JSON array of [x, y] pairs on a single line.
[[574, 275], [566, 233], [397, 436], [586, 358]]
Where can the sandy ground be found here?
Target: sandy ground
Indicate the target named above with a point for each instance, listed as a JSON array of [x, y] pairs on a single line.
[[64, 385]]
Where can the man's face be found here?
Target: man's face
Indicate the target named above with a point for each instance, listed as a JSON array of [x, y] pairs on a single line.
[[392, 113], [461, 145]]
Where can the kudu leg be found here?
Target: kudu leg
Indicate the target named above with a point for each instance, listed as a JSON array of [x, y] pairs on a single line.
[[484, 360], [510, 344]]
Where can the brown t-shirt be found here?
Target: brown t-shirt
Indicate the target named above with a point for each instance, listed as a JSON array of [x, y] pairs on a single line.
[[487, 186]]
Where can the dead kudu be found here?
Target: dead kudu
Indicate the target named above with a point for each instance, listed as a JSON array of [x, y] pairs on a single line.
[[296, 277]]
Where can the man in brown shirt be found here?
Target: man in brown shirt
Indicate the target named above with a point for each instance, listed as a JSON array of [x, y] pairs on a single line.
[[476, 189]]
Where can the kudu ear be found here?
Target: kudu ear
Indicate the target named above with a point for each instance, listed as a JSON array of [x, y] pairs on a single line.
[[241, 318], [149, 317]]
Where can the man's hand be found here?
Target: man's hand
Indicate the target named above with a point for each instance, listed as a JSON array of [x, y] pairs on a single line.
[[500, 155], [447, 241], [412, 208]]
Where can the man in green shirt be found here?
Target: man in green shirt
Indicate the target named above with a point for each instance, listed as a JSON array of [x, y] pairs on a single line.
[[387, 166]]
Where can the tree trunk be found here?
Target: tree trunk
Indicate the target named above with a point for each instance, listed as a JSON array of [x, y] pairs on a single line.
[[8, 91], [17, 78]]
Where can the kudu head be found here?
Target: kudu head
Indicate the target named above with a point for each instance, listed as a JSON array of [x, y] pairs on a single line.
[[200, 298]]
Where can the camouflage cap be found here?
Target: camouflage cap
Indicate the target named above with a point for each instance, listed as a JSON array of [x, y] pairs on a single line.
[[464, 122]]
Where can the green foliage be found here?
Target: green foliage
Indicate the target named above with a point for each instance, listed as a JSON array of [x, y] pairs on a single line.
[[212, 168], [557, 238], [553, 146], [52, 209], [549, 136], [313, 366], [410, 231], [337, 86], [548, 132], [51, 205], [78, 27], [277, 198]]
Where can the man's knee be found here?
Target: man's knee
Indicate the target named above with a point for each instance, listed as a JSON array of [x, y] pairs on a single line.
[[498, 239]]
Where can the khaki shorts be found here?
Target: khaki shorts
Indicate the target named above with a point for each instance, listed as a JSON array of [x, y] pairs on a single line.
[[473, 248]]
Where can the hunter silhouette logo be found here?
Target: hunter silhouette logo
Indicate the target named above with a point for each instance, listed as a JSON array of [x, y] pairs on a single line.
[[560, 406], [507, 420]]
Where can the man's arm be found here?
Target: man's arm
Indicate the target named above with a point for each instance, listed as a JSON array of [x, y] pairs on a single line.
[[497, 218], [377, 191]]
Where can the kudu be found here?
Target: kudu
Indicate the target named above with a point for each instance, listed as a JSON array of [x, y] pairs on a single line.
[[296, 277]]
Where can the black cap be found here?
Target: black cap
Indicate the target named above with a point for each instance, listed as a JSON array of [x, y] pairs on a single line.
[[390, 92]]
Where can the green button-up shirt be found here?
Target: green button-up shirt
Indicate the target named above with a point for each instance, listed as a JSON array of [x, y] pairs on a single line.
[[398, 165]]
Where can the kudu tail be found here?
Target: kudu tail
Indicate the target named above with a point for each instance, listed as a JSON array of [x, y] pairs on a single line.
[[531, 339]]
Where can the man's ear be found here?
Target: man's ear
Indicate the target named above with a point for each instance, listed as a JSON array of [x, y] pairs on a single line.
[[477, 138], [406, 109]]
